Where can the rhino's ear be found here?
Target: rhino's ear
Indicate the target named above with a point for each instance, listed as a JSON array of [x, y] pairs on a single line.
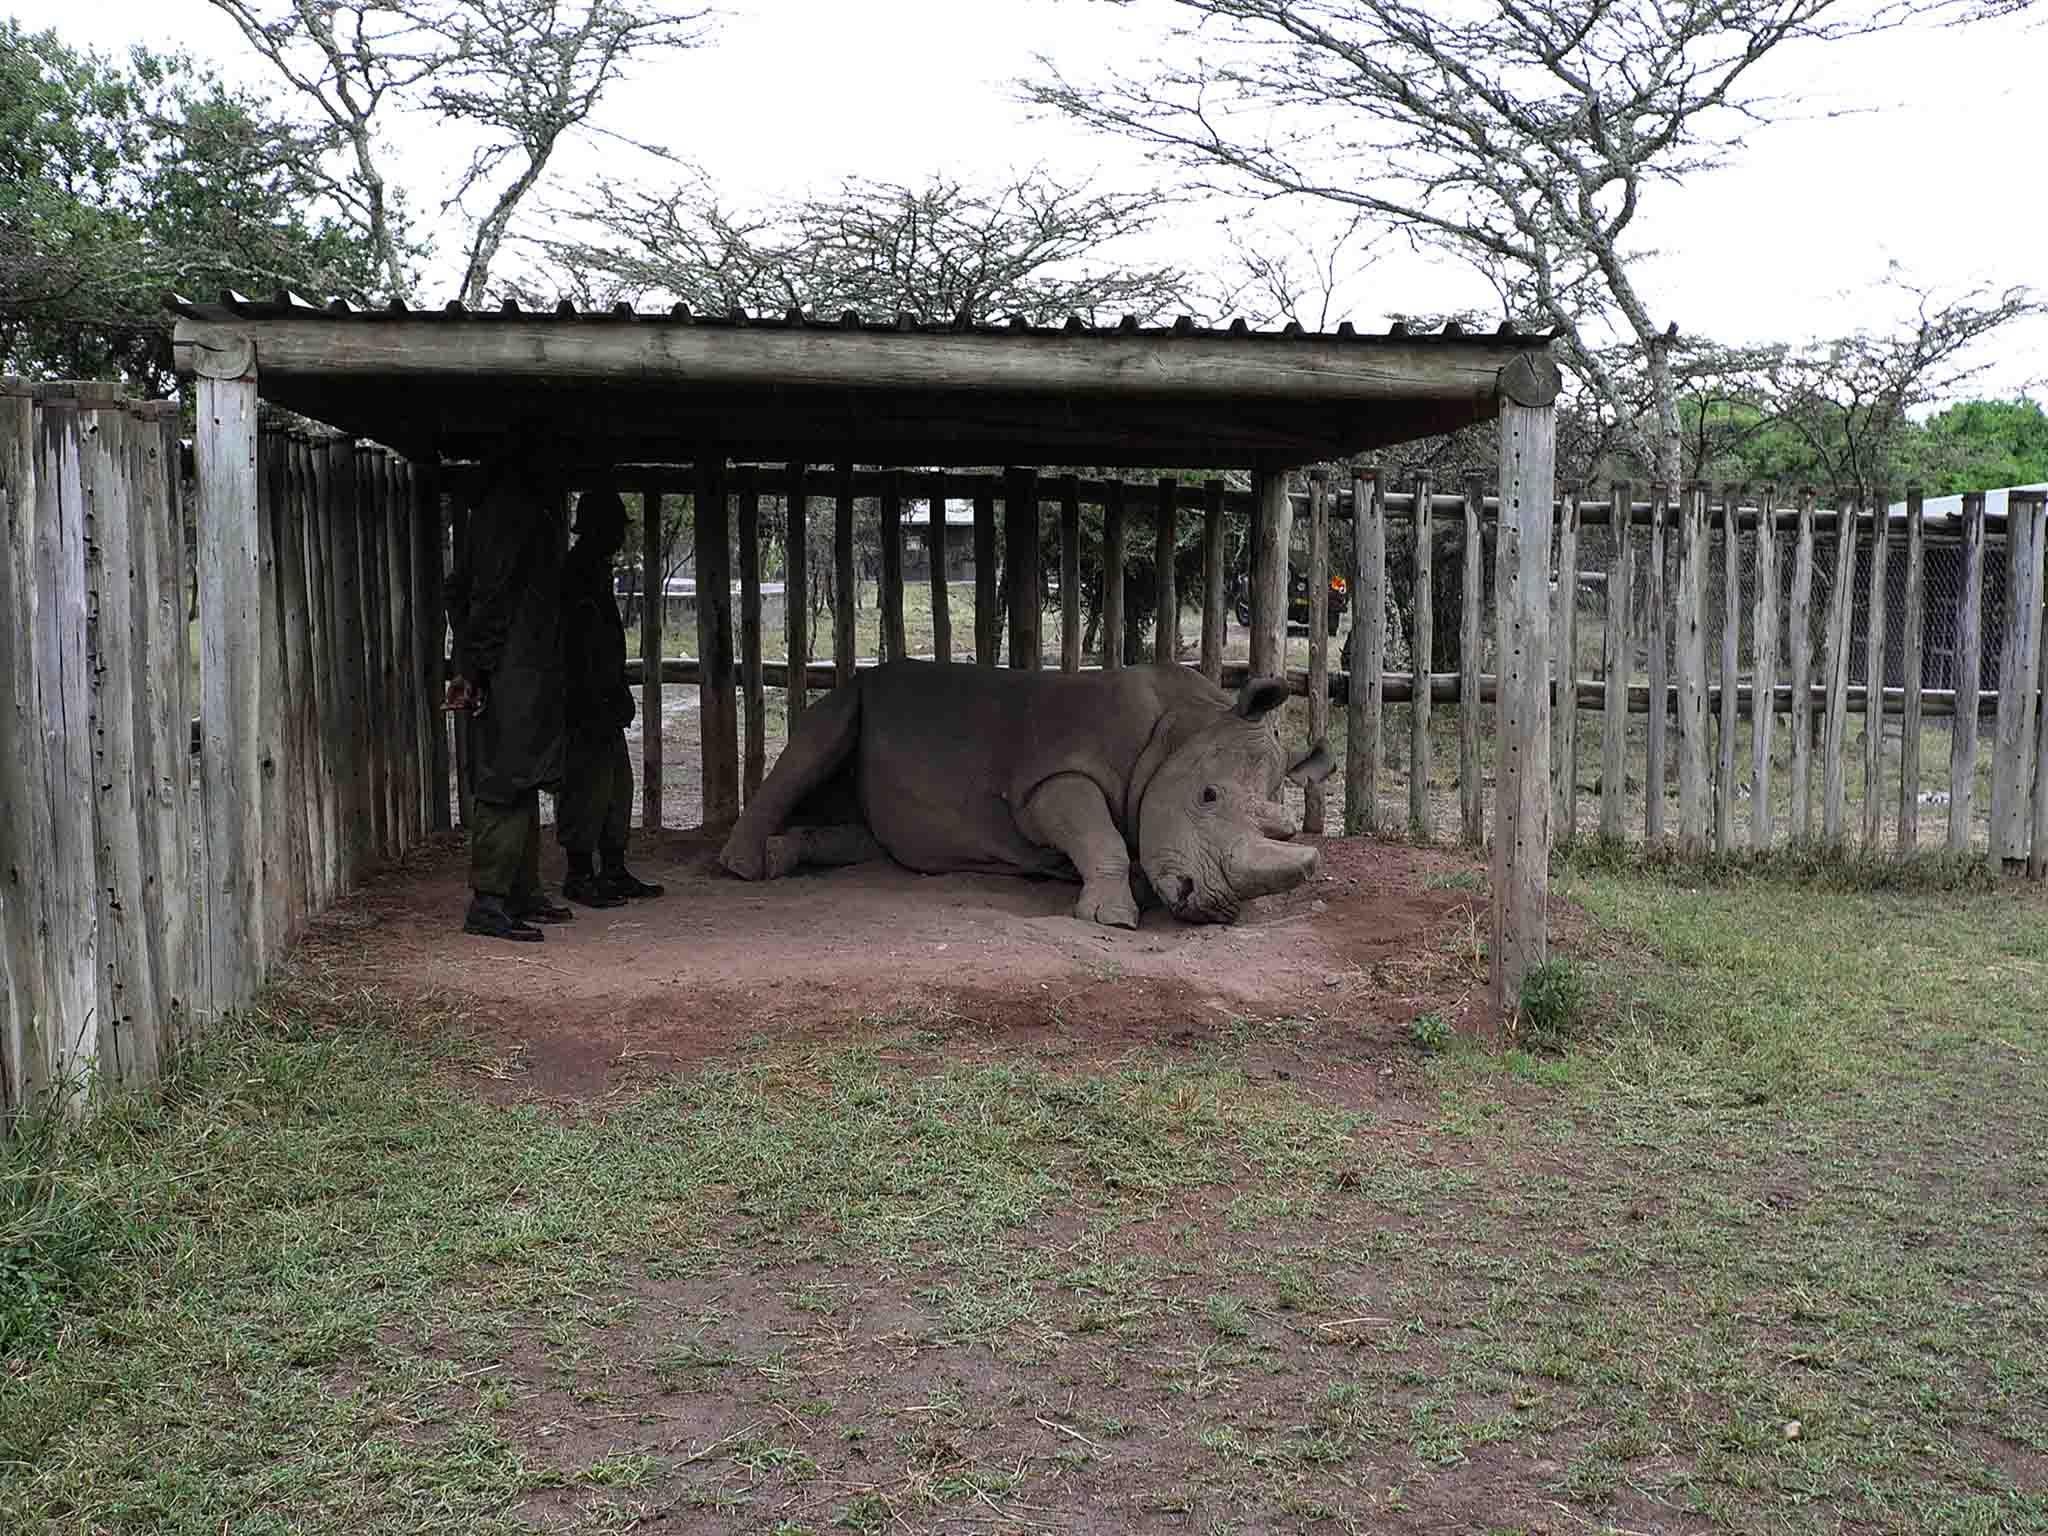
[[1260, 696], [1313, 766]]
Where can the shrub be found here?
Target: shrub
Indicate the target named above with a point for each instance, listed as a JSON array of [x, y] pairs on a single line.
[[1552, 995]]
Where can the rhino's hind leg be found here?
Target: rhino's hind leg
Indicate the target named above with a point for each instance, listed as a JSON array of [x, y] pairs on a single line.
[[1068, 812], [820, 746], [820, 848]]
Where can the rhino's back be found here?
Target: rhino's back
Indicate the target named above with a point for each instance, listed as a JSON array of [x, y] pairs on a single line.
[[946, 751]]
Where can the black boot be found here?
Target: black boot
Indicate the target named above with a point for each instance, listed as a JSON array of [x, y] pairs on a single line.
[[622, 882], [487, 916], [538, 909]]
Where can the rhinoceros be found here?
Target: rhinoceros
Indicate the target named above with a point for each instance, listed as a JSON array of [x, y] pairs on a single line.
[[1142, 783]]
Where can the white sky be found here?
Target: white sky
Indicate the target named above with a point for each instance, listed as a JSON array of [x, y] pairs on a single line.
[[1942, 173]]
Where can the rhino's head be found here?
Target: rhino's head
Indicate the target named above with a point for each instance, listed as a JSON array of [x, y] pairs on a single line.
[[1213, 829]]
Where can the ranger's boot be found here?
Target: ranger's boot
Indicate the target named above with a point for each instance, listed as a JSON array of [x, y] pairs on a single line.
[[488, 917]]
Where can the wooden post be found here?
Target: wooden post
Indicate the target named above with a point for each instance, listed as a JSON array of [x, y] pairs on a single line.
[[1166, 596], [398, 728], [987, 622], [1313, 809], [1521, 840], [1564, 629], [1799, 646], [369, 482], [1471, 654], [358, 840], [754, 695], [1873, 674], [653, 601], [70, 934], [1421, 811], [232, 732], [2018, 681], [1662, 500], [1113, 575], [277, 887], [1731, 663], [717, 704], [796, 592], [845, 652], [1691, 621], [935, 552], [25, 1037], [430, 521], [1272, 536], [1213, 620], [127, 1018], [167, 706], [1020, 560], [1916, 627], [1763, 630], [1616, 666], [1363, 706], [1962, 766], [894, 645], [1070, 573], [295, 734], [1840, 609]]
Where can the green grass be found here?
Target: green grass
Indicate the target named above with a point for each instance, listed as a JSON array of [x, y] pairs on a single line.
[[1787, 1170]]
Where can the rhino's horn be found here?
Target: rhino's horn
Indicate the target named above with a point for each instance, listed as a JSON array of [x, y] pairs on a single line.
[[1266, 868]]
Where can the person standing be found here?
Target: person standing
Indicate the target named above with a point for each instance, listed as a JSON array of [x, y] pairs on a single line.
[[507, 611], [596, 804]]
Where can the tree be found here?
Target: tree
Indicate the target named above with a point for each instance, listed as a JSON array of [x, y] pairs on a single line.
[[522, 74], [1522, 138], [1979, 445], [1032, 246], [120, 183]]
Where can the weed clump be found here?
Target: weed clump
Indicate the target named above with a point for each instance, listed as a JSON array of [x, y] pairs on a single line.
[[1431, 1032], [1552, 996]]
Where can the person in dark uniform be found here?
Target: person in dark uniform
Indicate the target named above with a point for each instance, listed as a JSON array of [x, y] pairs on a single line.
[[508, 617], [596, 804]]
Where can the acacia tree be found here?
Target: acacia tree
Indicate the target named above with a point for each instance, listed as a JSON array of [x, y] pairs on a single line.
[[523, 75], [1521, 135]]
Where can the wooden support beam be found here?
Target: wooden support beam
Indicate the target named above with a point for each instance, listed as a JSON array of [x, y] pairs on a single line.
[[430, 521], [754, 696], [1763, 641], [2019, 667], [1835, 748], [233, 742], [894, 646], [653, 604], [1730, 669], [1799, 647], [1873, 676], [25, 1035], [276, 885], [1521, 839], [717, 703], [403, 676], [1564, 626], [369, 484], [1691, 622], [1166, 594], [1113, 575], [1313, 809], [1213, 614], [1915, 666], [1471, 652], [1617, 666], [1363, 707], [935, 553], [845, 596], [351, 649], [1272, 530], [987, 621], [1962, 766], [796, 589], [1020, 561], [170, 901], [1657, 626], [1422, 655], [1070, 573]]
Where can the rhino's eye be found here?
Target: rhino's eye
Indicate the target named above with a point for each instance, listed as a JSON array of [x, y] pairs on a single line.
[[1209, 795]]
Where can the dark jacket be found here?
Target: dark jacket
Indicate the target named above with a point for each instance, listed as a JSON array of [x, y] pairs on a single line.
[[510, 639], [593, 645]]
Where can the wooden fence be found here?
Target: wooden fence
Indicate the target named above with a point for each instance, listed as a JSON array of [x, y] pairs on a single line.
[[1675, 601], [137, 895]]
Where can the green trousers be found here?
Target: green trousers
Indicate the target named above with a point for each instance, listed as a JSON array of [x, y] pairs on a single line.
[[595, 807], [504, 848]]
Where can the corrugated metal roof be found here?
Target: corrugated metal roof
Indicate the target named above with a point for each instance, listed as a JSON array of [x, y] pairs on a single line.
[[285, 304]]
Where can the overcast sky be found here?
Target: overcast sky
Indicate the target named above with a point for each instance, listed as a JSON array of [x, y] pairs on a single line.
[[1942, 172]]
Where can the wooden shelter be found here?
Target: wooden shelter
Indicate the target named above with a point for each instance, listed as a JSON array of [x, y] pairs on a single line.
[[674, 401]]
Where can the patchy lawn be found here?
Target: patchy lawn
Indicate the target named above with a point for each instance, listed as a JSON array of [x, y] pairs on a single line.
[[1763, 1251]]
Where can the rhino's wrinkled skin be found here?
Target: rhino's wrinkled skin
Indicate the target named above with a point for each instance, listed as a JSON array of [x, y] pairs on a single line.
[[1143, 779]]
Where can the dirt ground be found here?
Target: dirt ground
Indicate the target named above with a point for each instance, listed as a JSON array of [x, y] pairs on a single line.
[[1383, 934]]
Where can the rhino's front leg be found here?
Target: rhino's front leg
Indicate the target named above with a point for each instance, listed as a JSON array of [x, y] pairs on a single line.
[[821, 743], [1068, 812]]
